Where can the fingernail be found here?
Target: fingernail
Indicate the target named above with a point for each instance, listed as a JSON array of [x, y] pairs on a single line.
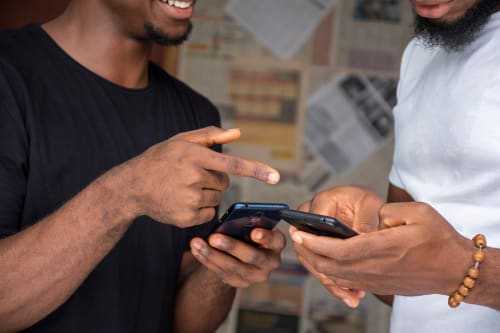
[[197, 245], [273, 178], [258, 235], [221, 244], [362, 294], [349, 302], [297, 238]]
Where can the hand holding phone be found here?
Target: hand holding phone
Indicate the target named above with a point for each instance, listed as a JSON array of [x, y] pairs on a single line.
[[241, 218]]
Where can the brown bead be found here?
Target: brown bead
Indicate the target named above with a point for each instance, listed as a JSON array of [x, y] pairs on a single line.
[[479, 256], [480, 241], [452, 303], [469, 282], [463, 290], [473, 272], [457, 297]]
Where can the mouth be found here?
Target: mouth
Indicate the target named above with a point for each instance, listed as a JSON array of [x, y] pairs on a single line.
[[179, 9], [435, 10]]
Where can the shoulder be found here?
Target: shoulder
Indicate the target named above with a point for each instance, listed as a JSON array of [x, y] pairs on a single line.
[[202, 106], [415, 57]]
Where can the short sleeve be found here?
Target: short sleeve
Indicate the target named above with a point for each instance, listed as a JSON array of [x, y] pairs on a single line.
[[13, 154]]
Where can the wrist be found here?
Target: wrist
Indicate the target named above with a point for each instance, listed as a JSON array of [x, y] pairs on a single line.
[[487, 289], [461, 253], [116, 194]]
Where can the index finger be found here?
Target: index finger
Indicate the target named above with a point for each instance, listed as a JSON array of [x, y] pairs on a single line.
[[359, 247], [238, 166], [324, 246]]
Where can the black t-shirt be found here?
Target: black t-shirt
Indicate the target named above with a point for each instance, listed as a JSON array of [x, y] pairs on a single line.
[[62, 126]]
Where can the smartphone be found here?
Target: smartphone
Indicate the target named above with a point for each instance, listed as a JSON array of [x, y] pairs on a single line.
[[318, 225], [241, 218]]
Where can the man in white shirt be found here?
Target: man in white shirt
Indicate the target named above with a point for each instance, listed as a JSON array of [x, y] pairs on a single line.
[[444, 183]]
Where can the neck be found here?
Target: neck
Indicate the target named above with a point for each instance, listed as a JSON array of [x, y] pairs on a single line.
[[88, 33]]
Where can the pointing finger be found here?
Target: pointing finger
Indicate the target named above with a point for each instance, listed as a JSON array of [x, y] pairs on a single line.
[[238, 166]]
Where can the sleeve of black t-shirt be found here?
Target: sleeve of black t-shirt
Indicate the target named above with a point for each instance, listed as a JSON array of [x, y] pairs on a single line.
[[207, 115], [13, 152]]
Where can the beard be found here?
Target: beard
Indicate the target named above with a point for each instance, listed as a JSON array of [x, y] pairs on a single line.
[[155, 35], [455, 36]]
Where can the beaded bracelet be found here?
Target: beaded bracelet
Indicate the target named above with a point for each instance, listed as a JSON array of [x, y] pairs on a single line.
[[472, 274]]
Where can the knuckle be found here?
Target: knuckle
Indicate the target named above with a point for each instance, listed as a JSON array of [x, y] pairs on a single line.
[[211, 212], [225, 181], [383, 211], [234, 165], [195, 177], [256, 259], [232, 271], [275, 263]]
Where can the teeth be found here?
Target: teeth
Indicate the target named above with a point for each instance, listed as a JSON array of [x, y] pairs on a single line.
[[178, 4]]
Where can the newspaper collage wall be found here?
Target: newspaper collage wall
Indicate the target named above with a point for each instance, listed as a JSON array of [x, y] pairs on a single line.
[[311, 84]]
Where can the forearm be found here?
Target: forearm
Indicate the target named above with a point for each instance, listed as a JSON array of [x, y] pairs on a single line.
[[203, 303], [43, 265]]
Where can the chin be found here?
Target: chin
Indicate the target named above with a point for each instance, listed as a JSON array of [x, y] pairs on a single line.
[[168, 36]]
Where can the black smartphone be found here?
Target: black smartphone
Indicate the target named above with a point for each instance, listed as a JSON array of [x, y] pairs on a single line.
[[242, 217], [317, 224]]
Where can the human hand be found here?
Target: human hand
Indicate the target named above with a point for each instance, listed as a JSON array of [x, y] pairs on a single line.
[[180, 181], [239, 264], [354, 206], [420, 253]]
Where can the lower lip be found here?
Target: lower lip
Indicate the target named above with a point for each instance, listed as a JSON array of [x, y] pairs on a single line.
[[432, 11], [178, 13]]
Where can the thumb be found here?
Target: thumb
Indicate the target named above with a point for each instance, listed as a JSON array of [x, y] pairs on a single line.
[[367, 213], [210, 136]]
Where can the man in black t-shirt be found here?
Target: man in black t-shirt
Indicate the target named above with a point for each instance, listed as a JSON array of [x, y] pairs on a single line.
[[107, 180]]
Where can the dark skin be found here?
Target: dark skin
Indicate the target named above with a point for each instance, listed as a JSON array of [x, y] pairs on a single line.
[[381, 257], [43, 265], [393, 258]]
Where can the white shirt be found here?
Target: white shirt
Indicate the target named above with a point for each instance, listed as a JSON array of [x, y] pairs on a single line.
[[448, 155]]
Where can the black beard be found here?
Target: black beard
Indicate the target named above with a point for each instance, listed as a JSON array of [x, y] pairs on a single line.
[[158, 37], [455, 36]]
